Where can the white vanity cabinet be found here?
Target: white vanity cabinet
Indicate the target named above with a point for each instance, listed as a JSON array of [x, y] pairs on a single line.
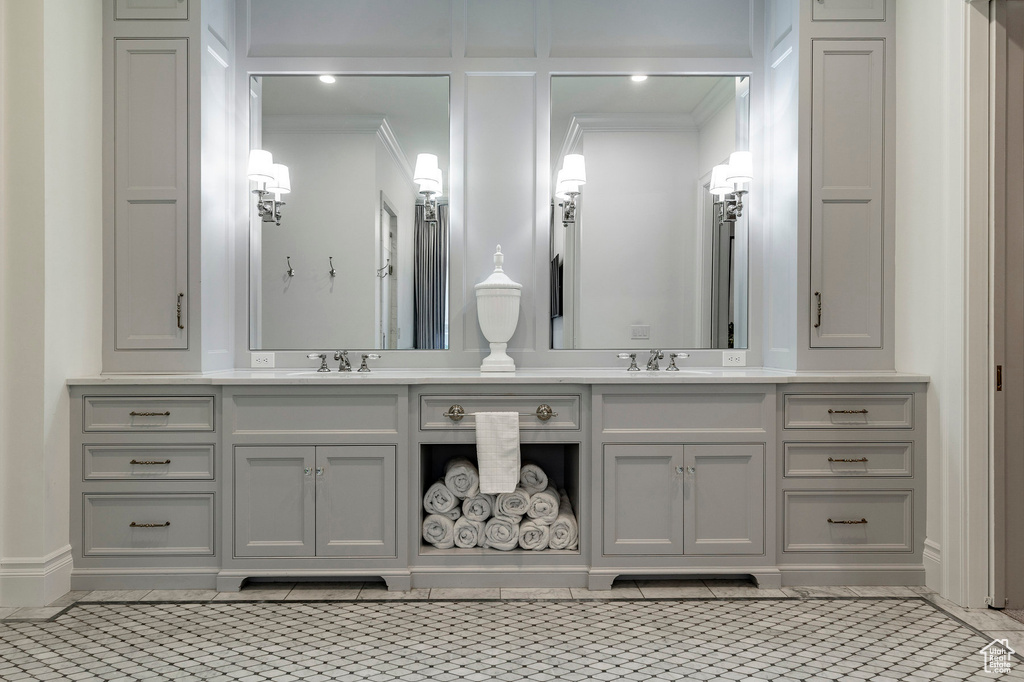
[[314, 501], [680, 481], [318, 483]]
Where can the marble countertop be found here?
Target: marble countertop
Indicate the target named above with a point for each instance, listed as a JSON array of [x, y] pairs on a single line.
[[420, 377]]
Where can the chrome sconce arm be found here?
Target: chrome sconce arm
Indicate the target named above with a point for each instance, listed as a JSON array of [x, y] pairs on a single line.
[[269, 208], [569, 209], [730, 206]]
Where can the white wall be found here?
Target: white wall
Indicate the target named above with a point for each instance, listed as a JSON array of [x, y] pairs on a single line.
[[313, 309], [52, 277], [398, 187], [717, 138], [639, 240]]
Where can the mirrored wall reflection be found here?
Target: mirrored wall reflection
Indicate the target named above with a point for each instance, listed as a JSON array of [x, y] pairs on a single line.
[[644, 254], [355, 254]]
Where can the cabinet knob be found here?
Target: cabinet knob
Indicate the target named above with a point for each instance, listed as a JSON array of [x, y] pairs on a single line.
[[320, 472], [308, 471], [679, 470], [691, 470]]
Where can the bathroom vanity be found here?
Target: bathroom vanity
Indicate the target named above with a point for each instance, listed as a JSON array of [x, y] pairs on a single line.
[[205, 481]]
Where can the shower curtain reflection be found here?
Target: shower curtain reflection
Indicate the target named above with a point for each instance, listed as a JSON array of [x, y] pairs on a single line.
[[430, 295]]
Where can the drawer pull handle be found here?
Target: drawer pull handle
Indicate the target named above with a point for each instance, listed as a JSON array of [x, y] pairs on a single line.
[[149, 414], [848, 523], [831, 411], [862, 459], [457, 413], [817, 295], [180, 325], [149, 461], [149, 525]]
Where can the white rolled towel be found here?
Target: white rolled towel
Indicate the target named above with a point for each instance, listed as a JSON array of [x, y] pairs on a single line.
[[439, 499], [480, 507], [532, 479], [469, 533], [534, 535], [499, 533], [544, 506], [454, 514], [565, 532], [514, 503], [462, 477], [439, 531]]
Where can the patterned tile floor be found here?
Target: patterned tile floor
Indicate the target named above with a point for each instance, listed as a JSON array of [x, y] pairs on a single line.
[[306, 632]]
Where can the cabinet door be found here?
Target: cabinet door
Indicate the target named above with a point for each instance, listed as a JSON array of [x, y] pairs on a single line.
[[847, 218], [848, 10], [151, 9], [355, 500], [724, 508], [150, 231], [274, 506], [643, 499]]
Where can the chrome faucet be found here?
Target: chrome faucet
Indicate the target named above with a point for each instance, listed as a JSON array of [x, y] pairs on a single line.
[[652, 362], [342, 356]]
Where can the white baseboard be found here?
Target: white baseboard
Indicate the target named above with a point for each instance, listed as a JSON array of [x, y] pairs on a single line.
[[35, 581], [932, 559]]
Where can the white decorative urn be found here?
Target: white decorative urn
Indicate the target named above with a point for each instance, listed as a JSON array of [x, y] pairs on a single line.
[[497, 308]]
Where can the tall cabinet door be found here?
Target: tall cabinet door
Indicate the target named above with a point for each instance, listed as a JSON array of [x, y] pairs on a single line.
[[151, 194], [724, 502], [643, 499], [847, 217], [274, 505], [355, 500]]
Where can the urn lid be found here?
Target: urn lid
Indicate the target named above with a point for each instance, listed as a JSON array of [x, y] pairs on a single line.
[[498, 279]]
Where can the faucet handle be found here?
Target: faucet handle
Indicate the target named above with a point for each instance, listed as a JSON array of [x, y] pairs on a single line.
[[367, 356], [323, 361], [632, 361], [672, 365]]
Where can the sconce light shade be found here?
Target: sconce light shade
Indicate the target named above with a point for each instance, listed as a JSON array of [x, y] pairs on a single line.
[[563, 186], [720, 186], [426, 164], [261, 166], [741, 168], [282, 183], [575, 169]]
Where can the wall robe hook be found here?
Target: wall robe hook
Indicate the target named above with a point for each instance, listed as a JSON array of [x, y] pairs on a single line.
[[291, 270], [385, 271], [332, 271]]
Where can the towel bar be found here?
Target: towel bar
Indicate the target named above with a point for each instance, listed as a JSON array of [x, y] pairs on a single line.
[[544, 412]]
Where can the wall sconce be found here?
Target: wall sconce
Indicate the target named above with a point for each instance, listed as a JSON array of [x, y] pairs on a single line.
[[727, 182], [428, 176], [567, 185], [274, 178]]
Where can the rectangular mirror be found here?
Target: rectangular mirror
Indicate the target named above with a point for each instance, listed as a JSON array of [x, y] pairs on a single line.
[[643, 255], [354, 253]]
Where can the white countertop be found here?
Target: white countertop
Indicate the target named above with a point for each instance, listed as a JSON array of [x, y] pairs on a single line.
[[419, 377]]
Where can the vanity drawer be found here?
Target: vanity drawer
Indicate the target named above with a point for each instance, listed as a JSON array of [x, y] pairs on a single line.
[[144, 413], [313, 412], [148, 462], [848, 460], [826, 411], [566, 408], [147, 524], [848, 521]]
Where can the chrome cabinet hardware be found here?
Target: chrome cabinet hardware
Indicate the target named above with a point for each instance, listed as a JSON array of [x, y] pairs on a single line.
[[180, 325], [323, 361], [831, 411], [332, 272], [367, 356], [290, 270], [632, 361], [149, 414], [691, 471], [319, 472], [847, 523], [818, 323], [149, 525], [308, 471], [680, 470], [457, 413], [672, 365], [862, 459], [146, 461]]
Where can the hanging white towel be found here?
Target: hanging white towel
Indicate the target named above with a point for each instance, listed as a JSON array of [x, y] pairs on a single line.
[[497, 451]]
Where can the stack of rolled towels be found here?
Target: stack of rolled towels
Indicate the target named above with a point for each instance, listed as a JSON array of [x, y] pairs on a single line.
[[534, 516]]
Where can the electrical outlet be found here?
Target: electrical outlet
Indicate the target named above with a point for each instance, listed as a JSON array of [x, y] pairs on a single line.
[[734, 358], [261, 360], [640, 331]]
